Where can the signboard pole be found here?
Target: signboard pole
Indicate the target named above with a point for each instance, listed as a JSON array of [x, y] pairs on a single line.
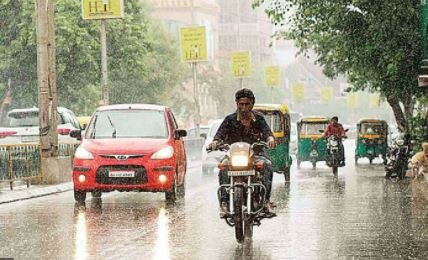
[[104, 71], [196, 97]]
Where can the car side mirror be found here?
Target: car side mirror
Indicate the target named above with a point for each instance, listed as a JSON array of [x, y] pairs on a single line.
[[321, 131], [76, 134], [203, 135], [179, 133], [346, 130]]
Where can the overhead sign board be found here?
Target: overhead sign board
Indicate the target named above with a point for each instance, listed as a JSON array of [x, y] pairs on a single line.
[[241, 64], [193, 42], [298, 92], [326, 95], [272, 76], [102, 9]]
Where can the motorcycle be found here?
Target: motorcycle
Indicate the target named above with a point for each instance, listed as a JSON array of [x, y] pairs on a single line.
[[247, 194], [333, 158], [397, 158]]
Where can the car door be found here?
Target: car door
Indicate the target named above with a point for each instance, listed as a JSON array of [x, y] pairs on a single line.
[[178, 148]]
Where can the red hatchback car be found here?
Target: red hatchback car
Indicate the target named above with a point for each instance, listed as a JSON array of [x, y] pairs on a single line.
[[130, 147]]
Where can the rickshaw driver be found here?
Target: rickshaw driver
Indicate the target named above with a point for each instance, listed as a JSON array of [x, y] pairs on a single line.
[[336, 129], [247, 126]]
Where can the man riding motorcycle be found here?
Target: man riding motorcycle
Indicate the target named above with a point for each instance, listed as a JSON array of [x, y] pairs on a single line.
[[336, 129], [248, 126]]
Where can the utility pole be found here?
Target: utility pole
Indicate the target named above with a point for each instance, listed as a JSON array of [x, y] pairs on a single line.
[[195, 82], [104, 70], [46, 75]]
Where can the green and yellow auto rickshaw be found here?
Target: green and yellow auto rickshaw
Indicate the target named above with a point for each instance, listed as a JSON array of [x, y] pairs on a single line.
[[311, 146], [371, 141], [278, 118]]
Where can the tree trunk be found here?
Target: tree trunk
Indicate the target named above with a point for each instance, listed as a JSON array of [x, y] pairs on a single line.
[[398, 113]]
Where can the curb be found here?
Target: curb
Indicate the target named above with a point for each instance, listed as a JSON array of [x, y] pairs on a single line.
[[33, 192]]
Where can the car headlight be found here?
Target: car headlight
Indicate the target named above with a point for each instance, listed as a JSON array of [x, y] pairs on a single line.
[[164, 153], [82, 153], [239, 160]]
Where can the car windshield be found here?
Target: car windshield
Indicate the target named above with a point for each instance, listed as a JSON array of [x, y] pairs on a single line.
[[371, 128], [128, 124], [274, 121], [312, 128]]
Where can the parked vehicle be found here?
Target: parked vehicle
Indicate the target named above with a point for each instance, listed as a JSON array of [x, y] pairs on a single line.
[[23, 126], [311, 146], [211, 160], [247, 194], [372, 139], [130, 147], [278, 119], [203, 132], [397, 157], [83, 121]]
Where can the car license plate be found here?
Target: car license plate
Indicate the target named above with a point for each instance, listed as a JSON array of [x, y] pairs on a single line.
[[241, 173], [121, 174], [28, 139]]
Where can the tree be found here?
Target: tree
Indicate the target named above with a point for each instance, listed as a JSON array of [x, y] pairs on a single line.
[[376, 44], [143, 60]]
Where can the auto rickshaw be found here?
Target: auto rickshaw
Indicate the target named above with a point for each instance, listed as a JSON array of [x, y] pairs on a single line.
[[311, 146], [278, 119], [371, 139]]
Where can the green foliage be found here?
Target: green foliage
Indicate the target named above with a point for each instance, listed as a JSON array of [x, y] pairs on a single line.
[[143, 61], [376, 44]]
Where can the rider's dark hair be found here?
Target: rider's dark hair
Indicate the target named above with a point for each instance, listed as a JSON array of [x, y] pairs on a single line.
[[335, 118], [245, 93]]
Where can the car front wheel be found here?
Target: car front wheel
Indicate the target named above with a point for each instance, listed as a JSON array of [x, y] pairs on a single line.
[[80, 196]]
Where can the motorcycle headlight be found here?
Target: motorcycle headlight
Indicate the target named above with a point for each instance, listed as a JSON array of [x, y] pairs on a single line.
[[333, 142], [239, 160], [400, 142]]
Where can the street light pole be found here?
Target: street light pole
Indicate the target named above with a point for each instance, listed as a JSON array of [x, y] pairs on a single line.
[[104, 70]]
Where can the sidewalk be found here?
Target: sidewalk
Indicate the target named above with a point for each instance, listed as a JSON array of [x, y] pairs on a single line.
[[21, 192]]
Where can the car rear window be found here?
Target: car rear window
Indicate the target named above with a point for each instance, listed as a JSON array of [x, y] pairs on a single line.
[[128, 124], [26, 119]]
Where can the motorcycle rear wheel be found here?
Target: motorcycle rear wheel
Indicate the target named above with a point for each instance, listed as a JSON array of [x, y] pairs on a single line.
[[238, 202]]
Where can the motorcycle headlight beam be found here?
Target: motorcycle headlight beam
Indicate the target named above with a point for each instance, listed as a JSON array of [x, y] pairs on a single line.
[[239, 160]]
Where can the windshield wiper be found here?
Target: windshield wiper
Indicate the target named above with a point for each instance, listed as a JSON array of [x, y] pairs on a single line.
[[94, 126], [114, 128]]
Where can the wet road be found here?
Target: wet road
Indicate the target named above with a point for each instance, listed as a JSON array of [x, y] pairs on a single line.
[[359, 214]]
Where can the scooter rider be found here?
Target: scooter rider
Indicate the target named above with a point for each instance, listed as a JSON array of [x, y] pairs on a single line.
[[248, 126], [336, 129]]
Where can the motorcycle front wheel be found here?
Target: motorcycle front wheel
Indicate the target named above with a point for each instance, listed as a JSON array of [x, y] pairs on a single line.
[[335, 171], [238, 202]]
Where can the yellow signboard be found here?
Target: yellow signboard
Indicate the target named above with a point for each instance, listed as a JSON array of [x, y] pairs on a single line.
[[352, 100], [326, 95], [272, 76], [374, 100], [298, 91], [102, 9], [193, 44], [241, 64]]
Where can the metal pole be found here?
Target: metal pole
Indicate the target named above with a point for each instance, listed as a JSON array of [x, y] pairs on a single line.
[[104, 71], [196, 97]]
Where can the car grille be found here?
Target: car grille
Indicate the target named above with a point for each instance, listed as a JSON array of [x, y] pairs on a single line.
[[139, 178]]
